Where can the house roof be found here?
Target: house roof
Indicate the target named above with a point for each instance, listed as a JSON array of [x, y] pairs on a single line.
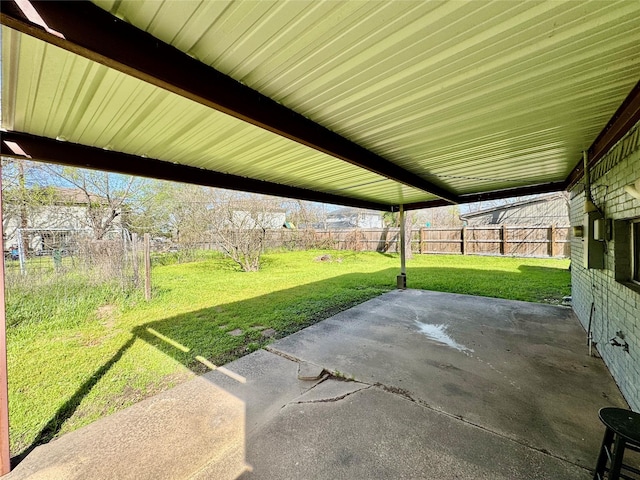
[[350, 211], [75, 196], [512, 205], [368, 104]]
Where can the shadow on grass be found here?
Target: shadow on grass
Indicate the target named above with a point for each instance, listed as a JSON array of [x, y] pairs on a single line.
[[54, 425], [223, 333], [534, 270]]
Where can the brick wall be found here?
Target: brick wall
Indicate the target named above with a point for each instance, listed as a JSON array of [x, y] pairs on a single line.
[[616, 304]]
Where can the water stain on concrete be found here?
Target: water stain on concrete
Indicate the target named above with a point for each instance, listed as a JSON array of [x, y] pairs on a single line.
[[438, 333]]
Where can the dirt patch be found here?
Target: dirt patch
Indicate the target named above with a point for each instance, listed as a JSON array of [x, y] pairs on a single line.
[[268, 333], [327, 258], [92, 342], [106, 315]]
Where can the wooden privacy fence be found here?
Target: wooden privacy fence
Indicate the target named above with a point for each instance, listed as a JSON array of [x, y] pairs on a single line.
[[521, 241]]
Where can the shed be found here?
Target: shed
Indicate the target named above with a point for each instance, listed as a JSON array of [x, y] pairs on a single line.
[[551, 209]]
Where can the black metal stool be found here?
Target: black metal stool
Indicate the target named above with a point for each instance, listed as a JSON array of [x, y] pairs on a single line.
[[622, 432]]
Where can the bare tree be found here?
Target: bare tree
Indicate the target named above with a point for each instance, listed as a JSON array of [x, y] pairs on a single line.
[[408, 229], [151, 212], [23, 196], [239, 223], [105, 195], [50, 217], [178, 210], [446, 216], [235, 223], [392, 219]]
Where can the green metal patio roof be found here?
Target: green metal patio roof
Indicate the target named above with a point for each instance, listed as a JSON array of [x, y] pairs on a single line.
[[373, 104]]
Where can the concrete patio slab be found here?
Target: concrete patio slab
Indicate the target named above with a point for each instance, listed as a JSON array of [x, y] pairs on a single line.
[[309, 371], [517, 369], [374, 434], [270, 382], [447, 386], [192, 429]]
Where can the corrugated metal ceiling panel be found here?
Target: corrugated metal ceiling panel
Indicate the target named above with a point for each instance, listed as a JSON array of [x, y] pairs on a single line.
[[476, 96], [57, 94], [439, 88]]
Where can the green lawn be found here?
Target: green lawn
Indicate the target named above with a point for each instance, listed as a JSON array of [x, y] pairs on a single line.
[[77, 353]]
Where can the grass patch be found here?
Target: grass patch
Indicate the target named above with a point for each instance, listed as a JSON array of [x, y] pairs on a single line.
[[77, 353]]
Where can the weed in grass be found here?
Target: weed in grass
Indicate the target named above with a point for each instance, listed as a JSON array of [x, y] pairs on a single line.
[[67, 302]]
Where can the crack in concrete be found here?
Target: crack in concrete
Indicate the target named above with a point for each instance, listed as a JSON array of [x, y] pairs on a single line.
[[407, 396], [332, 399], [396, 391], [269, 349], [403, 393]]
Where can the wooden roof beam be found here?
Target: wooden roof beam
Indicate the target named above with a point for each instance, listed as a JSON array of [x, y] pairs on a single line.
[[494, 195], [32, 147]]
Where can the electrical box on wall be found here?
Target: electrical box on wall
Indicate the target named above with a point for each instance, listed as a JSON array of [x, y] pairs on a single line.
[[598, 229], [602, 229], [593, 248], [578, 231]]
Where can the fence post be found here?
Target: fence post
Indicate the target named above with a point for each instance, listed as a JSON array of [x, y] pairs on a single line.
[[147, 267], [22, 254], [420, 248], [552, 241], [135, 259], [463, 240], [503, 240]]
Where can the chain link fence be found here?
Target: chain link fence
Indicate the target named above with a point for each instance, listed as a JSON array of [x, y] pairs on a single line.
[[42, 256]]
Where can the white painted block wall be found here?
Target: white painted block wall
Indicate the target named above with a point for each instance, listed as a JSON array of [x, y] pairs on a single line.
[[617, 306]]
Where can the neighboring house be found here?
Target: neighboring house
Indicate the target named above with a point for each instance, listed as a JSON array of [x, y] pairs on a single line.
[[266, 219], [53, 223], [353, 218], [235, 212], [605, 266], [552, 209]]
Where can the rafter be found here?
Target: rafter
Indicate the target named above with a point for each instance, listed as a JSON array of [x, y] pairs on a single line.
[[87, 30], [44, 149], [493, 195]]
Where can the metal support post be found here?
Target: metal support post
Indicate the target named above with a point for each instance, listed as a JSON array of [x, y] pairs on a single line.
[[402, 278], [5, 465]]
